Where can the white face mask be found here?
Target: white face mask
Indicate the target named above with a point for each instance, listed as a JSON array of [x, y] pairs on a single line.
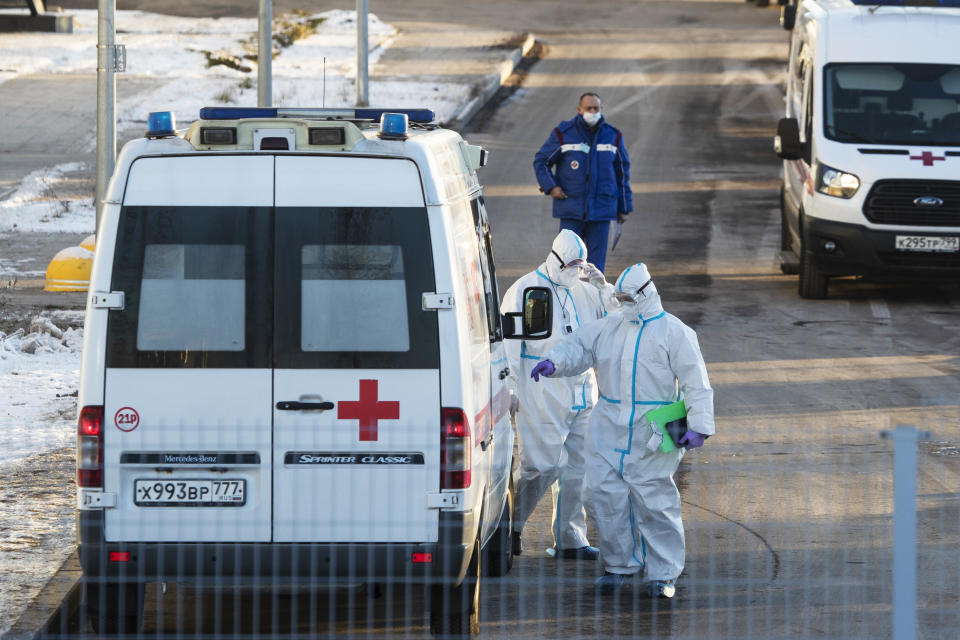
[[591, 118], [569, 276]]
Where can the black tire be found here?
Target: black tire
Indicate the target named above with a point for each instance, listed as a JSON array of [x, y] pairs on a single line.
[[786, 241], [455, 611], [788, 16], [114, 608], [812, 282], [763, 3], [498, 556]]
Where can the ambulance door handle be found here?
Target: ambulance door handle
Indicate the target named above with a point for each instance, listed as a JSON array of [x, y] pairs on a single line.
[[293, 405], [486, 442]]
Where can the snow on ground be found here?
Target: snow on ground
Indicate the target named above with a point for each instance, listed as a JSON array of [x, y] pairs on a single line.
[[37, 206], [38, 369], [317, 70], [314, 71]]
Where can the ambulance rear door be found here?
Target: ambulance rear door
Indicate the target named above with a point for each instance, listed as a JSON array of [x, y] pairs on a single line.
[[356, 410], [187, 396]]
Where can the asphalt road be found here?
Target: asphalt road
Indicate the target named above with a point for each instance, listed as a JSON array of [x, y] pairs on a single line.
[[789, 509]]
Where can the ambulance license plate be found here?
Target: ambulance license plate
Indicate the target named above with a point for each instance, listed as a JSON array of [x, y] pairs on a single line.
[[189, 493], [945, 244]]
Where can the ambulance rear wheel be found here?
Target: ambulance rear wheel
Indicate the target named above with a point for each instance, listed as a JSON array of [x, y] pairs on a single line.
[[455, 611], [114, 608], [498, 556]]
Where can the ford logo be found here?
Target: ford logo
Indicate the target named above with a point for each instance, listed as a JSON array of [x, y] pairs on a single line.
[[928, 201]]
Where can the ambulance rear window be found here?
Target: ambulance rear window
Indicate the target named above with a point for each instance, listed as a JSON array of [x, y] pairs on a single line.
[[349, 289], [197, 287], [192, 298], [362, 282]]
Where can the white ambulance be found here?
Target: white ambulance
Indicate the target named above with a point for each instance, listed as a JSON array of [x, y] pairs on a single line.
[[293, 367], [871, 141]]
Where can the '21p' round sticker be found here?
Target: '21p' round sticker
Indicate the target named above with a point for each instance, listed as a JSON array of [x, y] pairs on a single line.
[[127, 419]]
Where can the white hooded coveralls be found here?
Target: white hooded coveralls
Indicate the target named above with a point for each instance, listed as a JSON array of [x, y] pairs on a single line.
[[644, 358], [553, 414]]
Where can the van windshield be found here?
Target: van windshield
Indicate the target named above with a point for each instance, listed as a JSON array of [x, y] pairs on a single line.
[[903, 104]]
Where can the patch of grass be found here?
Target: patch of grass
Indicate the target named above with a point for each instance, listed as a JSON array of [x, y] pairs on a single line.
[[226, 59], [287, 29], [245, 83]]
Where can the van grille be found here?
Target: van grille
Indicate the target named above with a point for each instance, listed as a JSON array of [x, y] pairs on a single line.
[[892, 202]]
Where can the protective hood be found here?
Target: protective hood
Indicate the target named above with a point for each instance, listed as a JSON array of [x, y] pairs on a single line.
[[567, 247], [647, 304]]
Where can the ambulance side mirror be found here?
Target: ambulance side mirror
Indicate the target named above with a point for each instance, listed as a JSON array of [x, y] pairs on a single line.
[[787, 141], [474, 155], [535, 321]]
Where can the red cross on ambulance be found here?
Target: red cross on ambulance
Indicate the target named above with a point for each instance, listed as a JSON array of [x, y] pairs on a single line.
[[927, 158], [369, 410]]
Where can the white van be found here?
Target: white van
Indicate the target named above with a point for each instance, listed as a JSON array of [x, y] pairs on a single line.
[[871, 142], [293, 365]]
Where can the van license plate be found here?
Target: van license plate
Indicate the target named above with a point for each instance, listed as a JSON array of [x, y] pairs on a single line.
[[928, 243], [189, 493]]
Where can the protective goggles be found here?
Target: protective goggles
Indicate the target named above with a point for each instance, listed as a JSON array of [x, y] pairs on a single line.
[[576, 262], [621, 298]]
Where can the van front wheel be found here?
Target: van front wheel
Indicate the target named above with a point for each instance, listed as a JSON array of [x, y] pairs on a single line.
[[114, 608], [455, 611], [813, 283]]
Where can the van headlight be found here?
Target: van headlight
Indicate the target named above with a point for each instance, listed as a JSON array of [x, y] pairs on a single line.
[[836, 183]]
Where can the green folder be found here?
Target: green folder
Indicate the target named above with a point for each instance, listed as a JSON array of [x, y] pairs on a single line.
[[670, 419]]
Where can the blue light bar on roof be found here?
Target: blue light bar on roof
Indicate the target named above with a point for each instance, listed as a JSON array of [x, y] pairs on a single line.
[[413, 115], [161, 124], [236, 113], [239, 113], [907, 3], [393, 126]]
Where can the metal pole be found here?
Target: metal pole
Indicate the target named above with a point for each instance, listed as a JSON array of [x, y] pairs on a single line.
[[265, 55], [106, 101], [363, 79], [905, 529]]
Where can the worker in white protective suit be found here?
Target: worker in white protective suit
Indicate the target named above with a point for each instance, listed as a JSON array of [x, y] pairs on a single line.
[[645, 358], [552, 417]]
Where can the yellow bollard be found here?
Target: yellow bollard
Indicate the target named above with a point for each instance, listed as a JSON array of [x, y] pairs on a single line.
[[89, 242], [70, 270]]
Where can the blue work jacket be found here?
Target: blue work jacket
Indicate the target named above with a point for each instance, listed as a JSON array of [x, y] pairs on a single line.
[[591, 166]]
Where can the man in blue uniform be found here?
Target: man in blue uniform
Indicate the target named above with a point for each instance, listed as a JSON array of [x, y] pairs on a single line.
[[585, 168]]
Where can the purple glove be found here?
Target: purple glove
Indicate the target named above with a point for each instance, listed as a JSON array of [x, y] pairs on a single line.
[[543, 368], [692, 439]]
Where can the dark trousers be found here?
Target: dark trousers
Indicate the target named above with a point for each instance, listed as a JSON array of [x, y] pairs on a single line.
[[594, 234]]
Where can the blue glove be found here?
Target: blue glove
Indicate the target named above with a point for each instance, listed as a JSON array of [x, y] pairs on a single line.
[[543, 368], [692, 439]]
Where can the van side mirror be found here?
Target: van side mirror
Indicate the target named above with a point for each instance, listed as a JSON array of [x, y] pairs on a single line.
[[474, 155], [787, 141], [788, 16], [536, 319]]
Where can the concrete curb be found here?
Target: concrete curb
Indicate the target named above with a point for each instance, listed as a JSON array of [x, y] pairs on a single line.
[[489, 86]]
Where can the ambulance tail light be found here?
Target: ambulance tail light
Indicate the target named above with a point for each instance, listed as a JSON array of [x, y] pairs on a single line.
[[455, 446], [90, 447]]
